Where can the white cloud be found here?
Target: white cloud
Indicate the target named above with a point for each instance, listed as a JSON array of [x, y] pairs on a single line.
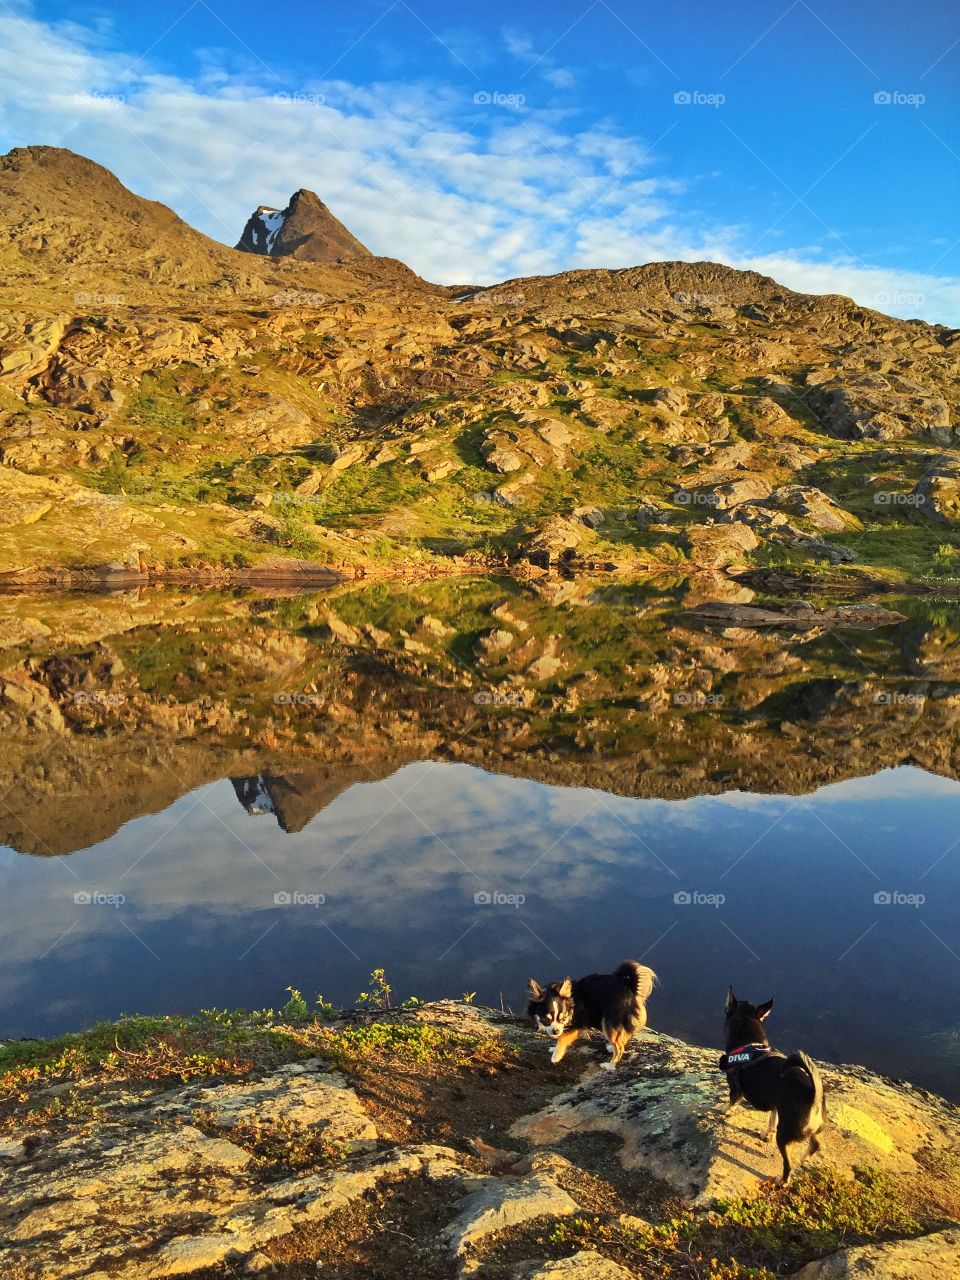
[[461, 190]]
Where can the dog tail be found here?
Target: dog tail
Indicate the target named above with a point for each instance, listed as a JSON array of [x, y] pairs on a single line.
[[818, 1108], [641, 981]]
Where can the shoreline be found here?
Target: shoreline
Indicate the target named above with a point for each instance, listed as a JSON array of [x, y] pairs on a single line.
[[307, 575]]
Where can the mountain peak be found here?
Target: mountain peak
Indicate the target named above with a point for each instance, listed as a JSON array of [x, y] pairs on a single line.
[[305, 229]]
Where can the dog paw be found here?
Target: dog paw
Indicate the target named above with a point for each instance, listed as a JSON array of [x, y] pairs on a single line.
[[553, 1057], [611, 1048], [607, 1066]]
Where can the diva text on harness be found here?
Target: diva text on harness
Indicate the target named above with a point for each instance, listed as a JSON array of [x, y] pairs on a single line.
[[747, 1055]]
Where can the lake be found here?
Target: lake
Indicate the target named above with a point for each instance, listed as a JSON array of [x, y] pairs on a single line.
[[212, 799]]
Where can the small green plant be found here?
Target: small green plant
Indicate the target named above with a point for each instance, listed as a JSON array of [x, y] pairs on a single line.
[[946, 561], [294, 535], [326, 1012], [296, 1009], [378, 997], [468, 997]]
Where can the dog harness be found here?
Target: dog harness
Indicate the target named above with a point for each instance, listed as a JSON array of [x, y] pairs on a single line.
[[747, 1055]]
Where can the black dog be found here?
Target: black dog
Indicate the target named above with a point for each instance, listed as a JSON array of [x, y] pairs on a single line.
[[609, 1002], [789, 1088]]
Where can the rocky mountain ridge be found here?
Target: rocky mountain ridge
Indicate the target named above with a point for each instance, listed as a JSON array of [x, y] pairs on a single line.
[[167, 402]]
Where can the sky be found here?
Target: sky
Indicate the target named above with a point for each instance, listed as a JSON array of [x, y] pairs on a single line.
[[814, 142]]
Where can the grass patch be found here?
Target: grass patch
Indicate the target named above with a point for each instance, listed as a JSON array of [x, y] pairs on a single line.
[[414, 1042], [137, 1047], [761, 1237]]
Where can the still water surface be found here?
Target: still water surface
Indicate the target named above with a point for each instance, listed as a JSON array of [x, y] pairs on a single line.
[[843, 904]]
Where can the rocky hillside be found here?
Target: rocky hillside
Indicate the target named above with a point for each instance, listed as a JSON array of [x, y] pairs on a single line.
[[167, 402], [438, 1142], [305, 229]]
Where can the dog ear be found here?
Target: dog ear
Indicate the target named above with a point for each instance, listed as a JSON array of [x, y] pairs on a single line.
[[763, 1010], [731, 1001], [535, 989], [565, 988]]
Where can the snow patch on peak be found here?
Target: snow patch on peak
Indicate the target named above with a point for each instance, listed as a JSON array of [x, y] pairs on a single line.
[[270, 223]]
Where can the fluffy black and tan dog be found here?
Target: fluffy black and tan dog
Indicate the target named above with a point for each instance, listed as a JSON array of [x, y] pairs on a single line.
[[613, 1003], [789, 1088]]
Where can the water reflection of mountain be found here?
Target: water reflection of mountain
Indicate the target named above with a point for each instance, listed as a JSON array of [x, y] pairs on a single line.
[[111, 709], [293, 801]]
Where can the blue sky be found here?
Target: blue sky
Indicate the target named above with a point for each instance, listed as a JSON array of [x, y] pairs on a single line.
[[815, 142]]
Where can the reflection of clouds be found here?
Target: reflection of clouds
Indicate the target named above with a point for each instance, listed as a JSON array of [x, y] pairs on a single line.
[[891, 784], [213, 869]]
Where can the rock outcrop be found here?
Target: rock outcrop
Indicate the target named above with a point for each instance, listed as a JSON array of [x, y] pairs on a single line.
[[149, 1183], [667, 1105], [304, 229]]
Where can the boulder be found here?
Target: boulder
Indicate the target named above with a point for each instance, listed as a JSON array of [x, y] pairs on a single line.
[[741, 490], [585, 1265], [932, 1257], [667, 1103], [715, 546], [815, 507], [505, 1202]]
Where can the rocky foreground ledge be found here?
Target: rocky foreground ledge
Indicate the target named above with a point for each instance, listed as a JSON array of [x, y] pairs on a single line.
[[437, 1141]]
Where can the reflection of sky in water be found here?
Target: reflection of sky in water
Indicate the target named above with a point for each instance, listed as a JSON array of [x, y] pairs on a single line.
[[399, 863]]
